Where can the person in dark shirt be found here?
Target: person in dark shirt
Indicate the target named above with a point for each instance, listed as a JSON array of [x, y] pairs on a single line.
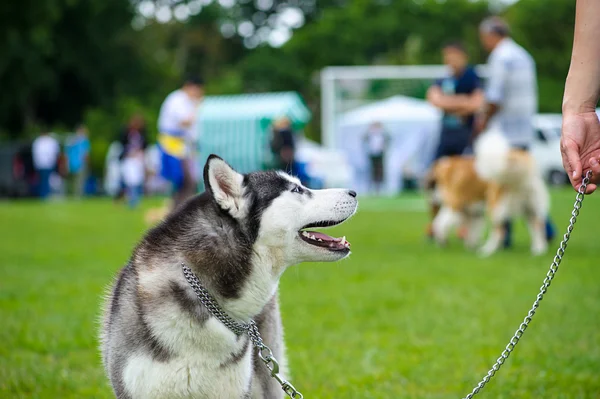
[[283, 145], [133, 136], [459, 96]]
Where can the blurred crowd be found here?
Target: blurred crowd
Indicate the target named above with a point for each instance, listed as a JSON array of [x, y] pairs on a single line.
[[167, 163], [61, 168]]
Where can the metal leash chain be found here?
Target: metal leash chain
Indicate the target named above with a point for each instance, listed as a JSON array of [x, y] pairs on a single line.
[[549, 276], [266, 355], [264, 352]]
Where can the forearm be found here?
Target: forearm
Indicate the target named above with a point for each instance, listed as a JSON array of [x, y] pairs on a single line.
[[582, 87], [468, 104], [452, 104], [449, 103]]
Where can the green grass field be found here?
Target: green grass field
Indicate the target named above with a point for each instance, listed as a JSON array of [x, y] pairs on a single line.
[[400, 319]]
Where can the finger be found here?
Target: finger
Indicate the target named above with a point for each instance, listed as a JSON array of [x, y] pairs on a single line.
[[591, 188], [595, 166], [572, 163]]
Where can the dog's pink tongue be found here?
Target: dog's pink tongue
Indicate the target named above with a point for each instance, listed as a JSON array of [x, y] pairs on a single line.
[[331, 242], [322, 236]]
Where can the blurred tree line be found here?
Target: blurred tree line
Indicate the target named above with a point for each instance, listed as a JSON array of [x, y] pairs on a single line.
[[99, 61]]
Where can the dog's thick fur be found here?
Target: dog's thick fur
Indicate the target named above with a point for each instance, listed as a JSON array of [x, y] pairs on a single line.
[[159, 341], [503, 180]]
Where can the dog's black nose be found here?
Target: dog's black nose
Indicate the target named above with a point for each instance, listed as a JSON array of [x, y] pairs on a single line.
[[352, 193]]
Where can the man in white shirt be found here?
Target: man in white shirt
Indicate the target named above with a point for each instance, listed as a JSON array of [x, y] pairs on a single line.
[[177, 137], [511, 89], [511, 93], [45, 151]]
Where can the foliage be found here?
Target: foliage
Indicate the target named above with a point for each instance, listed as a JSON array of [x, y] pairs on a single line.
[[399, 319], [62, 56], [64, 60]]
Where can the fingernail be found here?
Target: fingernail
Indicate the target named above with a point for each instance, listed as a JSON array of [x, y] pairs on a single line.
[[574, 174], [593, 161]]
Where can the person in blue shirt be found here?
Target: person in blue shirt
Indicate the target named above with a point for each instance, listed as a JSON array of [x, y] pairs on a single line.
[[459, 96], [78, 152]]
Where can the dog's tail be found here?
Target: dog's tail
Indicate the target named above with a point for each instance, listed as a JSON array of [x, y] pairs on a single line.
[[492, 151]]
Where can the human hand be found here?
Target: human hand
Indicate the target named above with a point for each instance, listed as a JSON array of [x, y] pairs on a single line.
[[580, 147], [434, 96], [189, 121]]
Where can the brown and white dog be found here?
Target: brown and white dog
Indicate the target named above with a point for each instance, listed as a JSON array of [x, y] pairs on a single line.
[[501, 180]]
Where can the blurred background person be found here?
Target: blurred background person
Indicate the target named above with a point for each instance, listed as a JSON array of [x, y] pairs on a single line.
[[459, 96], [45, 152], [77, 151], [510, 94], [176, 122], [376, 141], [133, 174], [283, 145], [132, 138]]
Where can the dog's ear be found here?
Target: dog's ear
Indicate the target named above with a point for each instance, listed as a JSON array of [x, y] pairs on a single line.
[[224, 184]]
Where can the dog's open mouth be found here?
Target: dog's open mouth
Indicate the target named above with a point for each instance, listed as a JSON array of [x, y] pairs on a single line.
[[319, 239]]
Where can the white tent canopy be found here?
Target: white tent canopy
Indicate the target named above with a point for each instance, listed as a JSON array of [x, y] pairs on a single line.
[[393, 109], [413, 125]]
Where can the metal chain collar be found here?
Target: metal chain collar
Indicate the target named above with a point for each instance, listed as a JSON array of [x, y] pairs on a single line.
[[549, 276], [264, 352]]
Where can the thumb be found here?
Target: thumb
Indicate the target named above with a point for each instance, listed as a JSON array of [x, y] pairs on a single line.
[[571, 162]]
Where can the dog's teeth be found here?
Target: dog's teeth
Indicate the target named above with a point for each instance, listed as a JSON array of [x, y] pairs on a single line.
[[312, 237], [344, 239], [318, 239], [305, 234]]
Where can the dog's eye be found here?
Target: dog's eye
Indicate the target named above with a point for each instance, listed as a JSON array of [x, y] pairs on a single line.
[[297, 190]]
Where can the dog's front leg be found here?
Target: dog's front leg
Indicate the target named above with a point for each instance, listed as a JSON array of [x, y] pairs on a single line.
[[475, 225], [443, 222], [539, 244], [500, 211], [494, 240]]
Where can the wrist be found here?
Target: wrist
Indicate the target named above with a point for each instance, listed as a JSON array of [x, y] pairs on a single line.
[[576, 101], [572, 106]]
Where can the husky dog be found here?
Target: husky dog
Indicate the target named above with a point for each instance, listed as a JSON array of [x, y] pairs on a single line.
[[238, 237]]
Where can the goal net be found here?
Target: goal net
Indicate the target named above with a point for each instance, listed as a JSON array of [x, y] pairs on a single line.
[[353, 98]]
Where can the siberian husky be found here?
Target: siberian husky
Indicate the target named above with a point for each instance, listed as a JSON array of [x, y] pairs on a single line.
[[238, 237]]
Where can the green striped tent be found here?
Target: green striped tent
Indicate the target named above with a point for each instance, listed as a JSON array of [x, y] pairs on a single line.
[[237, 128]]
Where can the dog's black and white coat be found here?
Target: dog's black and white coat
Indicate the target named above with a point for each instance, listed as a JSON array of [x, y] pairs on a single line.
[[157, 339]]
